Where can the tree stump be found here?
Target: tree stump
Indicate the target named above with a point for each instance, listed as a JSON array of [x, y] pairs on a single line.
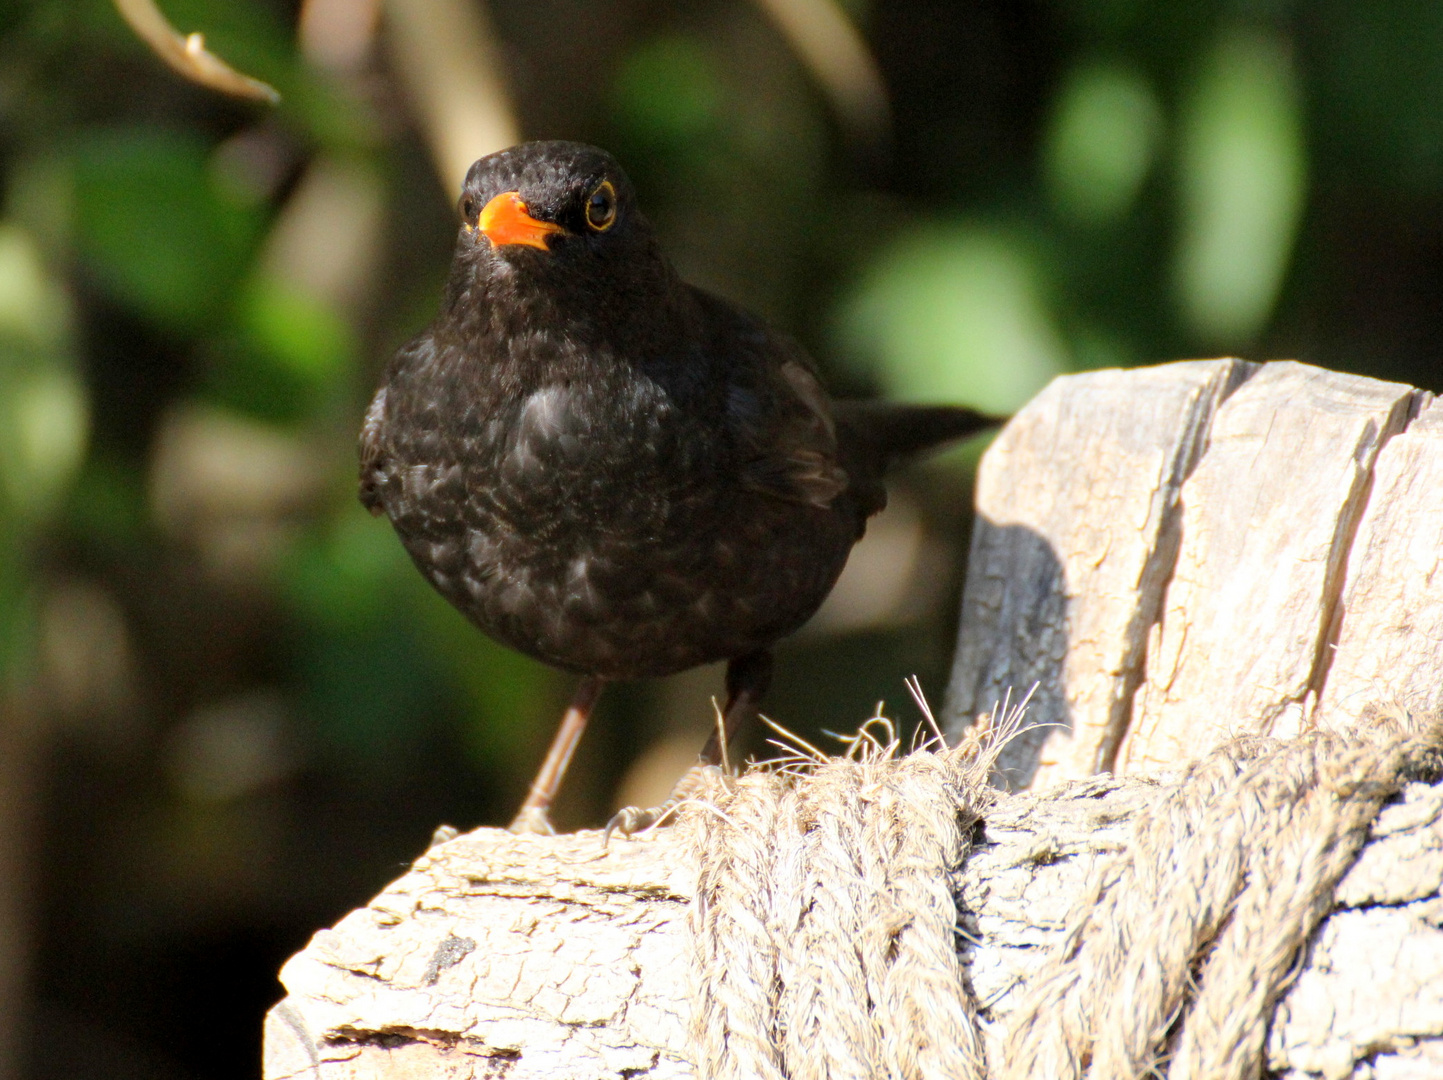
[[1167, 558]]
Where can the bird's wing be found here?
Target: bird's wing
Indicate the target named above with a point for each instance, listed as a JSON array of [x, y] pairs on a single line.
[[794, 456], [372, 454], [779, 414]]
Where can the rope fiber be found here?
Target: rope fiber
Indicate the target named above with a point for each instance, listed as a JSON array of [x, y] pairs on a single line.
[[825, 925]]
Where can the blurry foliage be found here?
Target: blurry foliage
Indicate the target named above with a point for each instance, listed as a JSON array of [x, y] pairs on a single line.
[[1242, 179], [43, 429], [1376, 83], [953, 313], [1101, 142], [196, 297], [667, 97], [157, 227], [43, 424]]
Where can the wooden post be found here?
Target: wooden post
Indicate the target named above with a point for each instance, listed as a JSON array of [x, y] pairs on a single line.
[[1170, 556], [1176, 555]]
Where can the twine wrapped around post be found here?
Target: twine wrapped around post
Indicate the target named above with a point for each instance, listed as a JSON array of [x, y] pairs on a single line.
[[824, 929], [824, 923]]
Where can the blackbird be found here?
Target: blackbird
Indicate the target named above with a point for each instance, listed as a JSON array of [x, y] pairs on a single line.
[[609, 469]]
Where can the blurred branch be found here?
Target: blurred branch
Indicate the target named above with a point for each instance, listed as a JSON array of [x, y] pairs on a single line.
[[326, 242], [834, 51], [187, 54], [337, 34], [446, 55]]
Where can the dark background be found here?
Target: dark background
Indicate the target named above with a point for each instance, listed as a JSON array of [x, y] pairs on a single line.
[[230, 710]]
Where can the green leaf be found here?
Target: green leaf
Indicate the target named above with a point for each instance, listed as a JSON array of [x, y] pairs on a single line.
[[953, 313], [157, 229], [1243, 181], [667, 93], [304, 335], [1102, 141], [44, 407]]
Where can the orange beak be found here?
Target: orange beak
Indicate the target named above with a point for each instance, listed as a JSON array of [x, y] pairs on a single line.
[[504, 220]]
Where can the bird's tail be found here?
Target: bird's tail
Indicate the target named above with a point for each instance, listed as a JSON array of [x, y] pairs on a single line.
[[886, 433]]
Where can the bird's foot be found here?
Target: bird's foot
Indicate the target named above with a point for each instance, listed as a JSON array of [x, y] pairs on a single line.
[[443, 834], [533, 821], [630, 820]]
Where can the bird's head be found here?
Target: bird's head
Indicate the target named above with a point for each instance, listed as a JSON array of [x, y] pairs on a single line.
[[552, 213]]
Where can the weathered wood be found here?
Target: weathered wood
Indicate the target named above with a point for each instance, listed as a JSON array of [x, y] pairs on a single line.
[[1076, 535], [1170, 556], [1267, 517], [499, 955], [1375, 976], [551, 957], [1391, 619]]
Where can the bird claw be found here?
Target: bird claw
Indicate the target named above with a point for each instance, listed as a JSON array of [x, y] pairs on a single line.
[[531, 821], [630, 820]]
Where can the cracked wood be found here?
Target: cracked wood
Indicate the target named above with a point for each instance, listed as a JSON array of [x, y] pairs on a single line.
[[1176, 555]]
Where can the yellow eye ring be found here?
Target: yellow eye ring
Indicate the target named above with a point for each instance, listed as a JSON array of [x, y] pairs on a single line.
[[601, 207]]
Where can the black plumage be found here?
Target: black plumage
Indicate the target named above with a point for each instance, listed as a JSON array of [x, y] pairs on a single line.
[[607, 468]]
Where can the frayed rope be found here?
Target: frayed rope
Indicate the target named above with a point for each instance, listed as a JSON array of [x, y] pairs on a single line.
[[825, 925]]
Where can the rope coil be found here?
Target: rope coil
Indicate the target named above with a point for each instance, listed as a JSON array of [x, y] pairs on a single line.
[[825, 922]]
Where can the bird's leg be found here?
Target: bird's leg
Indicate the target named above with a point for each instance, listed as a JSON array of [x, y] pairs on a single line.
[[747, 680], [532, 817]]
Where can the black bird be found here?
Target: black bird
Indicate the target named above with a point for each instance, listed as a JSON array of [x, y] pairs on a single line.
[[609, 469]]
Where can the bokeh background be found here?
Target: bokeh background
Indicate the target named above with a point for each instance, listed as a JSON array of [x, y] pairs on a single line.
[[230, 710]]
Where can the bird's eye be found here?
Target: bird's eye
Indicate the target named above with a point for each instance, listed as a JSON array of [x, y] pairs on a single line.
[[601, 207], [468, 207]]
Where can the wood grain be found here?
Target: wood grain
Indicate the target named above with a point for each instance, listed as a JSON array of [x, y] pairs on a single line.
[[1076, 535], [1268, 519], [1168, 557], [498, 955], [1389, 637]]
